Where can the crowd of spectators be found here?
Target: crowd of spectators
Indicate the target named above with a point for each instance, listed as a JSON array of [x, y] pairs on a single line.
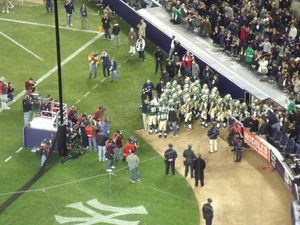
[[259, 33]]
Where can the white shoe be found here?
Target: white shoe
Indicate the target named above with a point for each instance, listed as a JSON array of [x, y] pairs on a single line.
[[11, 7], [108, 170], [138, 180], [71, 24], [129, 52], [113, 167], [7, 108], [3, 11], [132, 181], [7, 11]]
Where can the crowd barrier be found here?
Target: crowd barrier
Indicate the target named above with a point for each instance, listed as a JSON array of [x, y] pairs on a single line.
[[256, 143]]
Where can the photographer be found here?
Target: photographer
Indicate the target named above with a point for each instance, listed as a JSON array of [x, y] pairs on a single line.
[[131, 145], [44, 150], [29, 86], [10, 92], [27, 107]]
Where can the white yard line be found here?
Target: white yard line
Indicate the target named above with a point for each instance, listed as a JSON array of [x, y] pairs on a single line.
[[95, 86], [86, 94], [27, 50], [20, 149], [46, 25], [77, 101], [6, 160]]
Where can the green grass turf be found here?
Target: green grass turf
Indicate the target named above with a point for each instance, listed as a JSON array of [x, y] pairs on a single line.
[[168, 200]]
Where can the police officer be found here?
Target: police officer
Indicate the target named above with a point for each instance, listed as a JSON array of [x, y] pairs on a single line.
[[213, 134], [208, 211], [170, 157], [189, 156]]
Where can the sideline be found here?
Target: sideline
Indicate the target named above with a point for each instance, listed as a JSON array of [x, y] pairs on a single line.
[[46, 25], [54, 69]]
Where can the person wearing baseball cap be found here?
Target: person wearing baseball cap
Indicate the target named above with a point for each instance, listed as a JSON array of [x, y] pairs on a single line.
[[170, 157], [208, 212]]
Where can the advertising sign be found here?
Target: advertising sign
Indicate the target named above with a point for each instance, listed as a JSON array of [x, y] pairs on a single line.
[[254, 143]]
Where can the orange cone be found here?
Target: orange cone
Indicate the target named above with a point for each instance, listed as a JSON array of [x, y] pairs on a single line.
[[100, 29]]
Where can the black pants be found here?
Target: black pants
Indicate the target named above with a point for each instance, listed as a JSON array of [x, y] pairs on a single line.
[[158, 64], [208, 221], [172, 165], [197, 182], [238, 154], [188, 165], [105, 69]]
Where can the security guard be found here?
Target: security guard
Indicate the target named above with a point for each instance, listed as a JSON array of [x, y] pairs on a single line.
[[189, 156], [170, 157]]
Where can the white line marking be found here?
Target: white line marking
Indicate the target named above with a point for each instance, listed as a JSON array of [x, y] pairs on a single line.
[[77, 101], [27, 50], [8, 158], [103, 79], [46, 25], [54, 69], [95, 86], [86, 94], [19, 150]]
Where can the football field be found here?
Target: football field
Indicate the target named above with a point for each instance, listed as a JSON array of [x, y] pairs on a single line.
[[80, 191]]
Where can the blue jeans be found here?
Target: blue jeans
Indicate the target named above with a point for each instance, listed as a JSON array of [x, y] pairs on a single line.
[[134, 173], [92, 144], [49, 7], [109, 164], [69, 19], [174, 127], [171, 56], [26, 118], [101, 152], [276, 126], [93, 69], [114, 75], [118, 153]]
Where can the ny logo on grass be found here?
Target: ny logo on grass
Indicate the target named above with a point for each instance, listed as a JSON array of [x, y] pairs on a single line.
[[97, 218]]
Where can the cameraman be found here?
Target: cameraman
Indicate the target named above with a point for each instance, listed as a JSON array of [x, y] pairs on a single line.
[[27, 107]]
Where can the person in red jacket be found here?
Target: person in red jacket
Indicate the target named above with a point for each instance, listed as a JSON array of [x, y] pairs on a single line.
[[187, 62], [90, 132], [118, 138]]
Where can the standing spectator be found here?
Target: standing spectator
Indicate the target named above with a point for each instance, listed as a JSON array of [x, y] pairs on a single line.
[[118, 139], [195, 68], [106, 25], [140, 47], [254, 124], [272, 118], [101, 139], [177, 51], [83, 16], [90, 132], [49, 6], [113, 66], [5, 6], [82, 123], [189, 156], [148, 87], [199, 167], [263, 130], [170, 157], [159, 88], [109, 154], [159, 57], [132, 41], [10, 92], [69, 11], [237, 142], [170, 69], [105, 62], [208, 212], [27, 106], [94, 61], [213, 134], [133, 163], [207, 75], [291, 106], [172, 46], [187, 60], [3, 92], [249, 55], [115, 32], [173, 121], [142, 29]]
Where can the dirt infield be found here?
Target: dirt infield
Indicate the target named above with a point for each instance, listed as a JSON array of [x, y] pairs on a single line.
[[242, 193]]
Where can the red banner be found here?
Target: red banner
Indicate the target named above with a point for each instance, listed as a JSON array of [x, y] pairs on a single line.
[[255, 144]]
